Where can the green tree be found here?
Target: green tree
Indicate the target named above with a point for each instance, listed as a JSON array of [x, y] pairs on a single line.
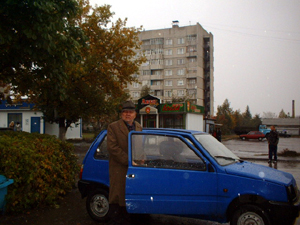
[[37, 38], [224, 116], [146, 90], [256, 121], [97, 84], [237, 118], [247, 117], [282, 114]]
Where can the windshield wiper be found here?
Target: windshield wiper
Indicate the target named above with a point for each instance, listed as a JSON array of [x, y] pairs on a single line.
[[226, 157]]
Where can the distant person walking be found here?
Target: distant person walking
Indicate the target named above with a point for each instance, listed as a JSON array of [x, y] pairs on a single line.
[[273, 140]]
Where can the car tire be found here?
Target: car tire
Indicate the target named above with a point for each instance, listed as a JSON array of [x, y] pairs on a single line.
[[260, 139], [243, 138], [97, 205], [250, 214]]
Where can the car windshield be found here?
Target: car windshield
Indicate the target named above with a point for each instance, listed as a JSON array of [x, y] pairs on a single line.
[[216, 149]]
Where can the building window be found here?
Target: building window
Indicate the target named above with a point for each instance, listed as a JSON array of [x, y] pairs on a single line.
[[192, 59], [180, 72], [158, 93], [192, 48], [147, 52], [168, 52], [145, 82], [146, 42], [157, 41], [192, 81], [192, 93], [156, 51], [168, 83], [136, 85], [180, 61], [168, 93], [155, 82], [156, 61], [169, 42], [192, 70], [136, 94], [156, 72], [180, 93], [192, 37], [146, 72], [169, 62], [180, 83], [168, 72], [180, 41], [180, 51], [147, 63]]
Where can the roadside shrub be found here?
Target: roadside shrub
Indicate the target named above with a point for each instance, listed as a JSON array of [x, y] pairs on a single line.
[[43, 168]]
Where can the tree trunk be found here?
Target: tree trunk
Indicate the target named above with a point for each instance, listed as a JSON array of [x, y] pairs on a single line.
[[62, 129]]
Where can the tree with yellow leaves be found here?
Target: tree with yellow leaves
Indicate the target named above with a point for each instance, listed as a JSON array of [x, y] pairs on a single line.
[[97, 83]]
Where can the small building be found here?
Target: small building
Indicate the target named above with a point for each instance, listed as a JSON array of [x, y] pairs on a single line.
[[183, 115], [32, 121], [289, 125]]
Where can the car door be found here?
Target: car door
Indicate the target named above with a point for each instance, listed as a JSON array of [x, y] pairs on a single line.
[[251, 135], [166, 175]]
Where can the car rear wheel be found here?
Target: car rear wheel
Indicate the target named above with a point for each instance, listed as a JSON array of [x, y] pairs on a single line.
[[250, 214], [97, 205]]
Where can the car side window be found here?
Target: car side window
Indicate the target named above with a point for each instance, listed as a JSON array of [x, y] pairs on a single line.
[[101, 151], [159, 151]]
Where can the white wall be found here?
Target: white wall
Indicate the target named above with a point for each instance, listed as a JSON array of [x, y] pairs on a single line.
[[26, 119], [73, 132], [194, 122]]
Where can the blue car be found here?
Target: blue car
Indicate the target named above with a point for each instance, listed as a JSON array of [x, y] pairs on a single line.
[[191, 174]]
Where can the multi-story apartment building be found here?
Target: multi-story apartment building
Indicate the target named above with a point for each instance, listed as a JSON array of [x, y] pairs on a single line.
[[179, 66]]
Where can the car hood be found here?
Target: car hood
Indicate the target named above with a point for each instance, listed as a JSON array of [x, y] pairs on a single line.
[[260, 172]]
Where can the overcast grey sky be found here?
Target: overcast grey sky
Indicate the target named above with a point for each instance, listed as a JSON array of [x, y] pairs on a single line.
[[256, 45]]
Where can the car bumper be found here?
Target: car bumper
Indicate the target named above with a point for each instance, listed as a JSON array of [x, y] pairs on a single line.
[[284, 213]]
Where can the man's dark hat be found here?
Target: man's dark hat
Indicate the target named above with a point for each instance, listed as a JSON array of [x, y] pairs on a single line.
[[128, 105]]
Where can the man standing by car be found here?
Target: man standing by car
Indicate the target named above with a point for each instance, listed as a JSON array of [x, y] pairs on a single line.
[[117, 143], [273, 139]]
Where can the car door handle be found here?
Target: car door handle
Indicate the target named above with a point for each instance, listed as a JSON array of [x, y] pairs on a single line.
[[130, 176]]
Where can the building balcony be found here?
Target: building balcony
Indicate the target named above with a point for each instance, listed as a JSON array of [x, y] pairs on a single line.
[[156, 87], [191, 75], [191, 86]]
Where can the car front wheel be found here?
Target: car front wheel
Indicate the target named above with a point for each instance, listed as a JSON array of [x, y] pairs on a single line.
[[250, 214], [97, 205], [260, 139], [243, 138]]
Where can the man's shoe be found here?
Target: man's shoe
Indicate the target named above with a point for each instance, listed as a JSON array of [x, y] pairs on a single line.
[[270, 161], [274, 161]]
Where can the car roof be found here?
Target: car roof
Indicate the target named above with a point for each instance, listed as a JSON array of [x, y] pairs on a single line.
[[171, 131]]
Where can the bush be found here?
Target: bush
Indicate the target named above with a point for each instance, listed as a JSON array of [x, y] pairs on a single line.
[[43, 168]]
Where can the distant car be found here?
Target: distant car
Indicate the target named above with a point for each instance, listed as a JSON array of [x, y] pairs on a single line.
[[253, 135], [284, 134]]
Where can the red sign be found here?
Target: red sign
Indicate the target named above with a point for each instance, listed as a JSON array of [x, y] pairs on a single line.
[[147, 110], [173, 107], [149, 102]]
